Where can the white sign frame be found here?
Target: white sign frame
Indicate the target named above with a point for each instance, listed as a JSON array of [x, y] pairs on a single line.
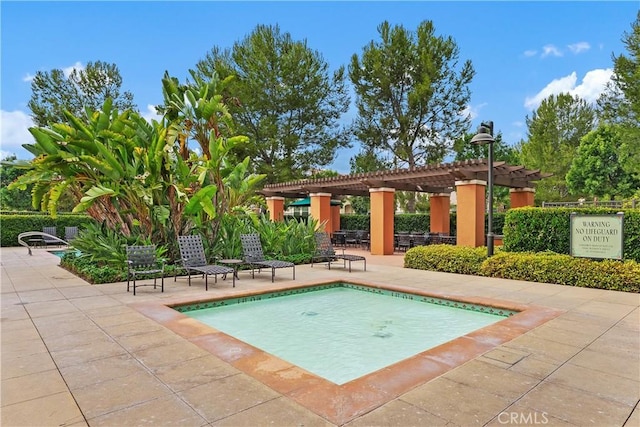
[[597, 236]]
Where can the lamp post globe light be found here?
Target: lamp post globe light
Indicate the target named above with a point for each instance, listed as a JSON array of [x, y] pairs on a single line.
[[483, 137]]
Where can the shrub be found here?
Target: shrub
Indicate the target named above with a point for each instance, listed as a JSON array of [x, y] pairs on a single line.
[[546, 267], [548, 229], [446, 258], [564, 269], [14, 224], [412, 222]]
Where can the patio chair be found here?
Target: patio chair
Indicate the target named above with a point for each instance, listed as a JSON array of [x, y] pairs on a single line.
[[364, 239], [142, 261], [70, 233], [193, 259], [254, 256], [404, 241], [325, 251], [419, 240], [53, 231], [351, 238]]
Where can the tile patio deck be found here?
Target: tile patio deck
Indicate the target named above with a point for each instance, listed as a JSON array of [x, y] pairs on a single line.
[[74, 354]]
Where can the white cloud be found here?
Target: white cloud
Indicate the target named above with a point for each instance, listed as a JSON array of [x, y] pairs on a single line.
[[27, 78], [592, 86], [68, 70], [14, 131], [530, 53], [151, 113], [550, 50], [473, 111], [579, 47]]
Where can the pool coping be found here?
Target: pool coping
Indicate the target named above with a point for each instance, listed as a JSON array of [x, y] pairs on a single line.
[[340, 404]]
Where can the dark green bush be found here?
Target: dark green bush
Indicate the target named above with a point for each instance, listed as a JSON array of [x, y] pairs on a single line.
[[548, 229], [446, 258], [355, 222], [99, 273], [412, 222], [92, 271], [564, 270], [546, 267], [14, 224]]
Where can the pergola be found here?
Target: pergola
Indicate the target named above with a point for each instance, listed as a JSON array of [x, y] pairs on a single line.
[[468, 178]]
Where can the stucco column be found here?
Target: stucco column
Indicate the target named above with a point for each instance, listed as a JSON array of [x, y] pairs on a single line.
[[335, 218], [383, 207], [440, 221], [321, 210], [470, 213], [520, 197], [275, 205]]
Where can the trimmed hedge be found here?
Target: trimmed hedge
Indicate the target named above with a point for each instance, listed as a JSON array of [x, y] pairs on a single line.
[[564, 270], [447, 258], [546, 267], [412, 222], [531, 229], [14, 224]]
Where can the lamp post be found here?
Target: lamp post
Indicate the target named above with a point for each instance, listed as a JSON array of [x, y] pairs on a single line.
[[485, 136]]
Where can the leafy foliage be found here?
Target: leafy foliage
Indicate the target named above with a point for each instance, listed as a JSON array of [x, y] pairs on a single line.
[[548, 229], [447, 258], [548, 267], [598, 167], [554, 133], [53, 92], [12, 224], [284, 99], [107, 246], [620, 102], [134, 175], [15, 199], [410, 94]]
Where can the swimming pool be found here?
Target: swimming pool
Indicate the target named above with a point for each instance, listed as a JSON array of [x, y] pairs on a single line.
[[344, 331], [341, 403], [61, 252]]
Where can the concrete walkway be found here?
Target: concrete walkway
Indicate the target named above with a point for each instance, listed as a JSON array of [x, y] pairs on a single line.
[[78, 354]]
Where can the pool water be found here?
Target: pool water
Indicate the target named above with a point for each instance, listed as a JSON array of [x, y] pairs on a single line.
[[62, 252], [342, 333]]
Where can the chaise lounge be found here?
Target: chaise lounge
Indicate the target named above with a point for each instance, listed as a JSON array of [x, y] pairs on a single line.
[[325, 252]]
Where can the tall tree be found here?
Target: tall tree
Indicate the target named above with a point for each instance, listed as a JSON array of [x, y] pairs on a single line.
[[284, 99], [368, 160], [620, 102], [53, 92], [411, 92], [597, 168], [465, 150], [554, 133]]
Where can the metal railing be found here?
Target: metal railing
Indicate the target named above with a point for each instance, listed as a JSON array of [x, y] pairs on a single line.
[[589, 204]]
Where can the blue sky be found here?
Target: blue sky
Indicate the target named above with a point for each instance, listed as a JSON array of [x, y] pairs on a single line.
[[521, 51]]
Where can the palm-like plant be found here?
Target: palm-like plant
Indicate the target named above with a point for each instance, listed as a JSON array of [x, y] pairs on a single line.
[[133, 175]]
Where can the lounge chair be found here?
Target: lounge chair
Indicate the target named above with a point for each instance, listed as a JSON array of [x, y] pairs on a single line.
[[254, 256], [325, 252], [53, 231], [70, 233], [193, 259], [142, 260]]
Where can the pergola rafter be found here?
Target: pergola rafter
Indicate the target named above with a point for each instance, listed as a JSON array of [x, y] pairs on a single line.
[[435, 178]]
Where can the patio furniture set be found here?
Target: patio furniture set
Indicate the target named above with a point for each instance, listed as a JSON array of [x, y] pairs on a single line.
[[403, 240], [143, 261]]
